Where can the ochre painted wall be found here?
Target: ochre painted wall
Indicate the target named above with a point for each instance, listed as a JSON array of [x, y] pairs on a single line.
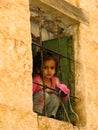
[[16, 69]]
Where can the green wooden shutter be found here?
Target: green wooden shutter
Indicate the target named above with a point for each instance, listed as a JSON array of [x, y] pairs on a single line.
[[68, 70]]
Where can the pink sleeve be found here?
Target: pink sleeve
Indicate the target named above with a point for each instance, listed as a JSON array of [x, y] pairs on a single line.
[[55, 81], [36, 87]]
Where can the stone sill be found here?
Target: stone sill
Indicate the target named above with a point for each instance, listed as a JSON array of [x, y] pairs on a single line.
[[45, 123]]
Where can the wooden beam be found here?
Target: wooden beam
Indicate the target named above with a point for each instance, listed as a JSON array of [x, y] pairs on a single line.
[[62, 9], [68, 9]]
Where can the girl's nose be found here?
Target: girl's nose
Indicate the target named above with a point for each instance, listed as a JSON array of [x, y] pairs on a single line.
[[49, 69]]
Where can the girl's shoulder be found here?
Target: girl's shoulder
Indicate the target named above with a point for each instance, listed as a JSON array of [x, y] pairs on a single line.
[[37, 78]]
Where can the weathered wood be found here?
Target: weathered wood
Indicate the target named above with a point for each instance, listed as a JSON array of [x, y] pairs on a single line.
[[68, 13], [67, 9]]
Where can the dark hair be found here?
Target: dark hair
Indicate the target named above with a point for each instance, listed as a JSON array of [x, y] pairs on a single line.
[[37, 60]]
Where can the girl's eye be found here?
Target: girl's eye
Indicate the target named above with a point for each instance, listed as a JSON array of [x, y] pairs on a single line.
[[52, 67], [45, 67]]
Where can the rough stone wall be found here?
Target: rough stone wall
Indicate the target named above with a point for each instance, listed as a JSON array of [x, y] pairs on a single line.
[[87, 74], [15, 59], [15, 67]]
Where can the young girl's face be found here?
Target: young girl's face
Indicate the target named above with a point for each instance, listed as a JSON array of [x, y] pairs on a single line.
[[49, 68]]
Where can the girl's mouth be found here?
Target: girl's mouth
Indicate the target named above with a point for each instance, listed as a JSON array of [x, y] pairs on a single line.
[[48, 74]]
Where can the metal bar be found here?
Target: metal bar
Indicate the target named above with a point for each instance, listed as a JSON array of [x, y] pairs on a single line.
[[59, 49], [45, 86], [45, 48], [40, 34]]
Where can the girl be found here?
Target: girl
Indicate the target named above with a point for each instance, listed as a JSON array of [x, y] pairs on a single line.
[[45, 75]]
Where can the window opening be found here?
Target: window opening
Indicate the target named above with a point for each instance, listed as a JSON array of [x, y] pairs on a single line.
[[61, 112], [67, 66], [69, 78]]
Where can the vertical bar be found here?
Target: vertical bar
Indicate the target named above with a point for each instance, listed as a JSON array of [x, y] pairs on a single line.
[[40, 34], [59, 49]]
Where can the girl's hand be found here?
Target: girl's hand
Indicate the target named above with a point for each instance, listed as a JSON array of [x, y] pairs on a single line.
[[49, 90]]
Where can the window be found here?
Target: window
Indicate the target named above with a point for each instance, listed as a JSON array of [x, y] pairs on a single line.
[[50, 28], [66, 74]]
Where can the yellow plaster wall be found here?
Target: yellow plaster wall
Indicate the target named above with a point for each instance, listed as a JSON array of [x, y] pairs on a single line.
[[15, 59], [87, 71], [16, 70], [15, 67]]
